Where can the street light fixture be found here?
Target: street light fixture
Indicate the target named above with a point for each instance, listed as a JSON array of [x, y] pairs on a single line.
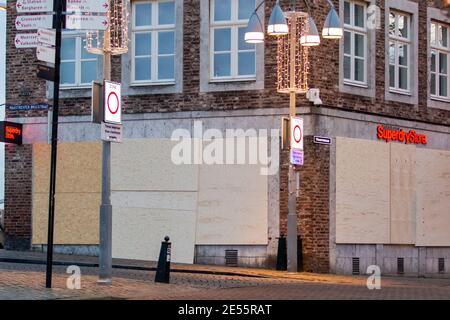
[[278, 26]]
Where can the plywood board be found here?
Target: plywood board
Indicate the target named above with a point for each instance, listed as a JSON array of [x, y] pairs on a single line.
[[433, 198], [78, 167], [232, 207], [403, 192], [138, 233], [146, 165], [362, 191], [76, 218]]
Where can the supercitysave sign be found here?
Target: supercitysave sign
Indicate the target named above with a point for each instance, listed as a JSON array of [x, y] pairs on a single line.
[[11, 132], [112, 105]]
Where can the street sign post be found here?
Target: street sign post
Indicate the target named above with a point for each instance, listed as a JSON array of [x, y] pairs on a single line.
[[322, 140], [46, 37], [26, 40], [34, 22], [85, 22], [27, 6], [113, 102], [88, 6], [46, 54]]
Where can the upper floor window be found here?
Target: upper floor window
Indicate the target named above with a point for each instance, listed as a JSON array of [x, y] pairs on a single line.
[[231, 57], [399, 52], [78, 67], [153, 42], [355, 43], [440, 52]]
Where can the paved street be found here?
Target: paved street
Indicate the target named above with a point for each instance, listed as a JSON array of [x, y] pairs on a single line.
[[22, 281]]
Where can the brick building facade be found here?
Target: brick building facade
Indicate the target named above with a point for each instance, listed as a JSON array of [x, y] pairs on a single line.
[[347, 111]]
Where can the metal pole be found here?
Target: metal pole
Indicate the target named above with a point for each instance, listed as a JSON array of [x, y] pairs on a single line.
[[54, 151], [292, 185], [105, 257]]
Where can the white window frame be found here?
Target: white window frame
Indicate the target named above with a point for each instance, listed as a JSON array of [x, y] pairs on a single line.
[[153, 29], [353, 30], [79, 44], [398, 40], [234, 24], [438, 49]]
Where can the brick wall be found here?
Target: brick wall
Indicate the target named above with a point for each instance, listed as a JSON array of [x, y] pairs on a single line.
[[18, 198], [312, 205]]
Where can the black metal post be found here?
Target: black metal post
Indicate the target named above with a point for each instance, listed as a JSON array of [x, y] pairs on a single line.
[[58, 7]]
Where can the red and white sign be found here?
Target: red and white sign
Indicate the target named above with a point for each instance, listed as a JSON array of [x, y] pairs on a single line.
[[45, 54], [32, 6], [26, 40], [113, 102], [46, 37], [81, 22], [297, 133], [98, 6], [33, 22]]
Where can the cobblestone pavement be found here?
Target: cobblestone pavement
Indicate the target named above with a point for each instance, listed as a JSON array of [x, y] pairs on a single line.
[[20, 281]]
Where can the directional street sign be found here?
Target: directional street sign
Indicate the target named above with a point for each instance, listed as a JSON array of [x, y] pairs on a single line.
[[45, 54], [33, 22], [81, 22], [46, 37], [26, 40], [33, 6], [99, 6]]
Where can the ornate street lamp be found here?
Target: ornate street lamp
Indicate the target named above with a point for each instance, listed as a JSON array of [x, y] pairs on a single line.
[[296, 32]]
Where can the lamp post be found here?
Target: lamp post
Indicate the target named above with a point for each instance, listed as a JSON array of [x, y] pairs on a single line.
[[299, 32]]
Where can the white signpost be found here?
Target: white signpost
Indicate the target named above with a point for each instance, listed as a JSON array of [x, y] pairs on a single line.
[[34, 22], [45, 54], [33, 6], [113, 102], [99, 6], [296, 138], [26, 40], [46, 37], [81, 22]]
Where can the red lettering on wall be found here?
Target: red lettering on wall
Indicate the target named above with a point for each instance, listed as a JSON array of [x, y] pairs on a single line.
[[411, 137]]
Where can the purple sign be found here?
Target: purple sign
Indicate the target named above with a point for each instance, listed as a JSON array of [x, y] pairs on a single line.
[[297, 157]]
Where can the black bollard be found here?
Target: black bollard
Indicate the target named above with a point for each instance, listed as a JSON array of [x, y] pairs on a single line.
[[282, 254], [163, 271]]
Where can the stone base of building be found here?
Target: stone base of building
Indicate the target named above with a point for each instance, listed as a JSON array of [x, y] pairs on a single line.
[[84, 250], [393, 260], [16, 243]]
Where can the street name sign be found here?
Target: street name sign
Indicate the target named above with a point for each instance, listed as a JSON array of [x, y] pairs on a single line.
[[26, 40], [297, 136], [322, 140], [89, 6], [46, 37], [33, 6], [111, 132], [45, 54], [82, 22], [42, 106], [112, 102], [33, 22]]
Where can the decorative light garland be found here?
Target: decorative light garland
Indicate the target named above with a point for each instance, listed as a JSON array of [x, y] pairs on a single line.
[[118, 28]]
